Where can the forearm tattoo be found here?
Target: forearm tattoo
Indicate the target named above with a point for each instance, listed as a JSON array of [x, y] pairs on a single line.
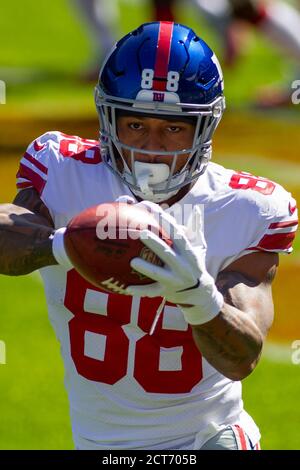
[[25, 228]]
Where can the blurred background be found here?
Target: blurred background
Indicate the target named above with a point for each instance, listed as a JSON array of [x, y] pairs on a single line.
[[49, 56]]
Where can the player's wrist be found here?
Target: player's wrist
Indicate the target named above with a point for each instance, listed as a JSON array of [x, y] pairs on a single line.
[[206, 305], [58, 248]]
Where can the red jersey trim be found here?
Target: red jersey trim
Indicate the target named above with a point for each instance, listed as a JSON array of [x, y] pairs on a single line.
[[37, 181], [24, 184], [290, 223], [277, 241], [36, 163]]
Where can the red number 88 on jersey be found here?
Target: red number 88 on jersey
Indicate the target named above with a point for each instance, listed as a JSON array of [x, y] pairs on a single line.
[[166, 362]]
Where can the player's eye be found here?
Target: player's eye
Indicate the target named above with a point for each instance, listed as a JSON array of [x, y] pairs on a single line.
[[135, 126], [174, 129]]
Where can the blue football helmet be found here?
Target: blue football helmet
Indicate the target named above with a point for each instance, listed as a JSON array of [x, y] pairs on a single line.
[[161, 69]]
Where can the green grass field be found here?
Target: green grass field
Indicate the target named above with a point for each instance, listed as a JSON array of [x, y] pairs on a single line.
[[41, 53], [34, 409]]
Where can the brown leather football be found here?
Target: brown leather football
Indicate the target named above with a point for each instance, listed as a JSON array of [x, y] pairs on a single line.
[[102, 240]]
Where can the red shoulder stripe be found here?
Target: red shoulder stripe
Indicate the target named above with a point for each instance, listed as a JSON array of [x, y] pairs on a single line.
[[290, 223], [24, 184], [36, 163], [277, 241], [37, 181]]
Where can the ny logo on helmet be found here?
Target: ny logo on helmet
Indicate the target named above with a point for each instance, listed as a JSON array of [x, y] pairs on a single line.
[[158, 96]]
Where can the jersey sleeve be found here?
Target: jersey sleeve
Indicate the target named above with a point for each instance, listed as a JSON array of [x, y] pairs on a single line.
[[34, 165], [47, 160], [281, 228]]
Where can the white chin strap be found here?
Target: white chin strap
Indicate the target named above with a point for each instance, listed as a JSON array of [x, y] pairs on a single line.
[[150, 176]]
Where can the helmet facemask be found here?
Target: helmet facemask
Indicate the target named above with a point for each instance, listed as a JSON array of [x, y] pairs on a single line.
[[154, 181]]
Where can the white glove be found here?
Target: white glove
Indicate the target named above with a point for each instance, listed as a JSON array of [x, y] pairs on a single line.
[[58, 248], [183, 279], [126, 199]]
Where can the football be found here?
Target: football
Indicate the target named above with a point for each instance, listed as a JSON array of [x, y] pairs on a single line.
[[102, 240]]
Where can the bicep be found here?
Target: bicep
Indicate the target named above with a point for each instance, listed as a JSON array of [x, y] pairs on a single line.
[[30, 200]]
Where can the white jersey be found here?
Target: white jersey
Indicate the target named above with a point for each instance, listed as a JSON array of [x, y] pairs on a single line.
[[127, 389]]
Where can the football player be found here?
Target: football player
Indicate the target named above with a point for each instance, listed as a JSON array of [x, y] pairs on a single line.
[[159, 99]]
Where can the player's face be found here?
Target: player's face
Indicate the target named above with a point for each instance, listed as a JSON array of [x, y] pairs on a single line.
[[148, 133]]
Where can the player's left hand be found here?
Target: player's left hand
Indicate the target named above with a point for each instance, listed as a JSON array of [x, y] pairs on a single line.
[[183, 279]]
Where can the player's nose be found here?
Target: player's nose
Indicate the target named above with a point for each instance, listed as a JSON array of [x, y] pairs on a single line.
[[152, 142]]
